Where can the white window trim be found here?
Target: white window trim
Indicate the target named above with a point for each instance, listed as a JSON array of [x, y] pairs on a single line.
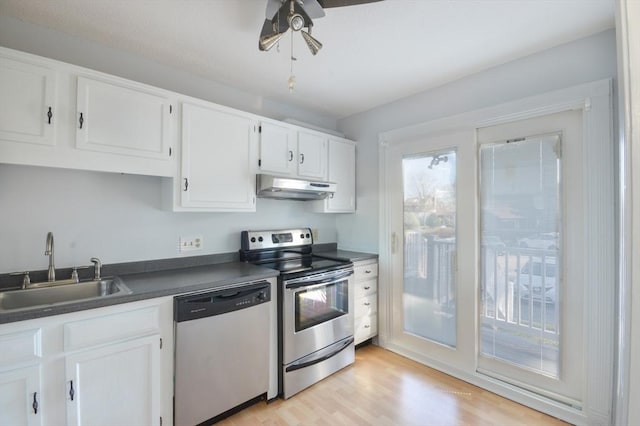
[[594, 99]]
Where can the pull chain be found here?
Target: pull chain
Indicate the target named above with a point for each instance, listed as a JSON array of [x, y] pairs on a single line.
[[292, 78]]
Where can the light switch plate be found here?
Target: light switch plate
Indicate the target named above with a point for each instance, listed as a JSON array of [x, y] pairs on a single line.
[[190, 243]]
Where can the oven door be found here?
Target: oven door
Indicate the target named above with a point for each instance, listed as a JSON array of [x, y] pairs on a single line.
[[317, 312]]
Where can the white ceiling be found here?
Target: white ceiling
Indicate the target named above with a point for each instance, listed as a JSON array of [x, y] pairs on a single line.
[[373, 53]]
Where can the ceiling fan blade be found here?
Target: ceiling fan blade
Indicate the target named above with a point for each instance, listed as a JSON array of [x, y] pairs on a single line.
[[313, 9], [272, 8], [339, 3]]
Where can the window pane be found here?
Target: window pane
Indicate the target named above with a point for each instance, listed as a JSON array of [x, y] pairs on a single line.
[[430, 246], [520, 241]]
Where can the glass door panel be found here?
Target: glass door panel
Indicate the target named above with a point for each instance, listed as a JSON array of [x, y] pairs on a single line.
[[520, 239], [429, 293]]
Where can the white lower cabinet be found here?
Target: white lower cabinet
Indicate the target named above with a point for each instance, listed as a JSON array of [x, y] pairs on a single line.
[[116, 384], [20, 397], [105, 366], [365, 300]]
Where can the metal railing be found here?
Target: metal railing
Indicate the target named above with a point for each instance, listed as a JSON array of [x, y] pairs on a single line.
[[519, 287]]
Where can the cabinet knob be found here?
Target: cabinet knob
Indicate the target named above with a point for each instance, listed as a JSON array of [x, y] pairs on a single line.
[[367, 271], [71, 391], [186, 184], [81, 120], [290, 155], [367, 303], [49, 115], [367, 287], [35, 403], [301, 158], [367, 326]]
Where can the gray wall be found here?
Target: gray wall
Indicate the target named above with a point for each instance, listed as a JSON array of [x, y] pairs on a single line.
[[116, 217], [581, 61]]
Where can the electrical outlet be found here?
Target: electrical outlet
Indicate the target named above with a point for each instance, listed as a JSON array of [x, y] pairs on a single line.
[[314, 233], [190, 243]]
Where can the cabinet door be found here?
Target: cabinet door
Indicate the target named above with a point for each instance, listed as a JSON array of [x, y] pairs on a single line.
[[115, 385], [312, 155], [277, 149], [20, 399], [124, 120], [217, 172], [342, 170], [27, 94]]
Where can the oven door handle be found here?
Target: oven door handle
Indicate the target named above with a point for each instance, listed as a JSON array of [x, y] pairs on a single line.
[[314, 283], [306, 362]]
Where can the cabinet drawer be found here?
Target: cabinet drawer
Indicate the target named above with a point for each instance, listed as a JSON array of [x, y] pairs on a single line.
[[365, 306], [20, 348], [365, 272], [111, 328], [365, 327], [365, 288]]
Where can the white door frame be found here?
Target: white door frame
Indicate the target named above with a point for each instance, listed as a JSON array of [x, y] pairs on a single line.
[[594, 99], [628, 304]]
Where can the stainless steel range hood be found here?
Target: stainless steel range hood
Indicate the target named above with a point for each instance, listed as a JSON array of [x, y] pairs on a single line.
[[269, 186]]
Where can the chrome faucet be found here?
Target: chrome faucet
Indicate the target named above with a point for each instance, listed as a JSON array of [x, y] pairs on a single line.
[[97, 265], [51, 275]]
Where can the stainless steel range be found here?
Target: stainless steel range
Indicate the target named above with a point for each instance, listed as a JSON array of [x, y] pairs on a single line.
[[315, 306]]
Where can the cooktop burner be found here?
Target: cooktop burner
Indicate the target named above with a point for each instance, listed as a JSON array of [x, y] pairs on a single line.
[[288, 251]]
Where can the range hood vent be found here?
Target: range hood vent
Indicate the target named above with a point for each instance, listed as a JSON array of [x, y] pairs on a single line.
[[269, 186]]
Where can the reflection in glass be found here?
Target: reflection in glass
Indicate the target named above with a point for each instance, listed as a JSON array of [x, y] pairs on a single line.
[[429, 296], [519, 247]]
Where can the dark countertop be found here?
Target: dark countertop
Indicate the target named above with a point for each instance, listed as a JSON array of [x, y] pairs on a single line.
[[148, 285], [353, 256]]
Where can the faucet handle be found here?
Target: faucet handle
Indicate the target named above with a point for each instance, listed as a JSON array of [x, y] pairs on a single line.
[[26, 281], [74, 272], [97, 265]]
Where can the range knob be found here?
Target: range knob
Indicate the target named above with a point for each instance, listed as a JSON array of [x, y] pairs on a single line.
[[253, 239], [260, 239], [308, 235], [302, 236]]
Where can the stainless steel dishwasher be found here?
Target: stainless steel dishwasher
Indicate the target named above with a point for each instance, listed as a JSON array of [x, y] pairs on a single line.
[[222, 351]]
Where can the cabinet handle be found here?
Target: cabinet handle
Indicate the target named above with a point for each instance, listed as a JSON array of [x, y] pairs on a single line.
[[290, 155], [49, 115], [35, 403], [367, 303], [301, 158], [71, 391], [332, 195], [367, 271], [186, 184], [81, 120], [367, 326], [366, 287]]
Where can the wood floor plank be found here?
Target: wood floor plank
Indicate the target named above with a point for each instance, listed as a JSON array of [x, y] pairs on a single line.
[[383, 388]]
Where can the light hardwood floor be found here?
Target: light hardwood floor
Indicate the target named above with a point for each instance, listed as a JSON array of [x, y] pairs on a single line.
[[383, 388]]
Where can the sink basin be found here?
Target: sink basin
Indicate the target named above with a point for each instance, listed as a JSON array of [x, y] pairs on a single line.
[[85, 290]]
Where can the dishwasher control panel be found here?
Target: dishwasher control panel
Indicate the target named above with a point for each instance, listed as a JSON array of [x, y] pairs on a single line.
[[217, 302]]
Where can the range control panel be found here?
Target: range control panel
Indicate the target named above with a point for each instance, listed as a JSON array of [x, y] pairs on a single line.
[[254, 240]]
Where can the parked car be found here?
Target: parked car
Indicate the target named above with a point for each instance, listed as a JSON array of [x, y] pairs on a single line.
[[533, 277], [545, 241]]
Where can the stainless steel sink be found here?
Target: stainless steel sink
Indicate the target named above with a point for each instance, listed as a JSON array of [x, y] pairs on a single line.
[[60, 294]]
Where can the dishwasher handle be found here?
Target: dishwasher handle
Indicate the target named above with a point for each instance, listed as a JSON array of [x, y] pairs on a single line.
[[218, 302]]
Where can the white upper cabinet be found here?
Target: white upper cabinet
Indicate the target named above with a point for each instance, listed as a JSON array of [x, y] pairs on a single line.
[[312, 155], [28, 110], [121, 119], [277, 149], [288, 151], [218, 172], [342, 171]]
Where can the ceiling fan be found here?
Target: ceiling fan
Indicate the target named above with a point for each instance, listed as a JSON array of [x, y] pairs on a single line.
[[296, 14]]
